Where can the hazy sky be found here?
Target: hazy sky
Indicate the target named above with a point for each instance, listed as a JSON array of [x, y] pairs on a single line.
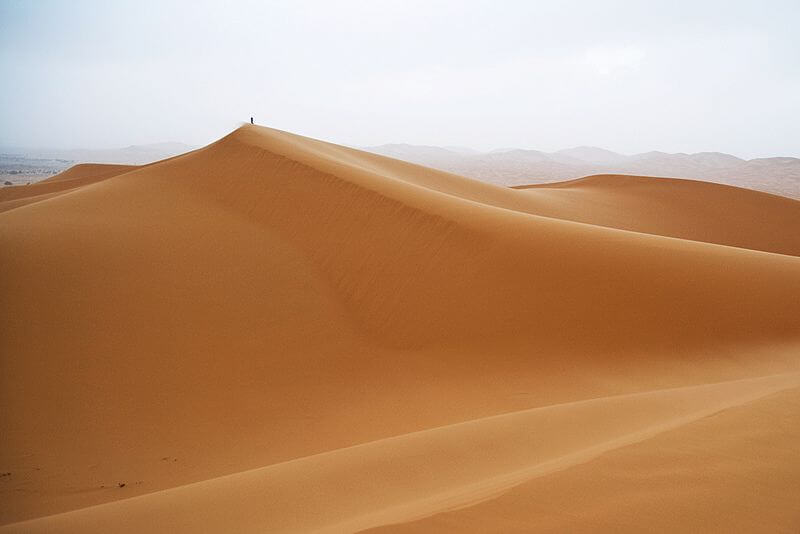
[[629, 76]]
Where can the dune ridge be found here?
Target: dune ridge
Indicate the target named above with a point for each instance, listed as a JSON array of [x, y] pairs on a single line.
[[514, 167], [690, 478], [73, 178], [271, 300], [677, 208], [524, 445]]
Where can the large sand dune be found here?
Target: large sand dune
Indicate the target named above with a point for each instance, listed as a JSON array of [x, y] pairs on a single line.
[[274, 333]]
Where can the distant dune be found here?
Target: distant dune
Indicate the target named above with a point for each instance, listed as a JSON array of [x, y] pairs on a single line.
[[23, 166], [133, 154], [277, 334], [779, 176]]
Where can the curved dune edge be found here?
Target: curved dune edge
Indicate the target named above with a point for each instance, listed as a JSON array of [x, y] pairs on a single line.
[[681, 208], [74, 178], [669, 207], [415, 475], [734, 471]]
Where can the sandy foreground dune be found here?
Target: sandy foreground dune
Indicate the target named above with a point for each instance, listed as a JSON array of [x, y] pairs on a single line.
[[277, 334]]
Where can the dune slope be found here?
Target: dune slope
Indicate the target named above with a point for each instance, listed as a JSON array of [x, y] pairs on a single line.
[[687, 209], [734, 472], [223, 325], [76, 176], [431, 470]]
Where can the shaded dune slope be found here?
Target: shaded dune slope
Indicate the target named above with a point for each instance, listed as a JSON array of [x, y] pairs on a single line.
[[271, 298]]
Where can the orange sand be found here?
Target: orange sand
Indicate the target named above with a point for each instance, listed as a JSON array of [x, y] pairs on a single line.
[[275, 334]]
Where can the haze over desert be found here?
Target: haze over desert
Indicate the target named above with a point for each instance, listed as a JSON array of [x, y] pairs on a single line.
[[279, 333]]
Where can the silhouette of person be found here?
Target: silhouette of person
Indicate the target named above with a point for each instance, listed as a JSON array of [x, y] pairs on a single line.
[[251, 120]]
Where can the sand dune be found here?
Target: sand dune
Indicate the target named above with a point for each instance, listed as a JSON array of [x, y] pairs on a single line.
[[431, 470], [73, 178], [776, 175], [687, 209], [689, 479], [274, 333]]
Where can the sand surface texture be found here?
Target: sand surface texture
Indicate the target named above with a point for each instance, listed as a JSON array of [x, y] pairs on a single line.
[[277, 334]]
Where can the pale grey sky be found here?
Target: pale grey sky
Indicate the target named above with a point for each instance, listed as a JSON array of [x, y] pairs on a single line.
[[629, 76]]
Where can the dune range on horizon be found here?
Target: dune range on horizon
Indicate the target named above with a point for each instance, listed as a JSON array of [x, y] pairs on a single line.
[[278, 334], [514, 166]]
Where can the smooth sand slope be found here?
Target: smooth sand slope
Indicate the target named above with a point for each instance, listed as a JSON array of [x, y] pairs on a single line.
[[273, 333], [688, 209], [69, 180]]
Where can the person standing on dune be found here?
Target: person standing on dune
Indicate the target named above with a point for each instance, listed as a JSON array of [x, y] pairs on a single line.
[[251, 120]]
